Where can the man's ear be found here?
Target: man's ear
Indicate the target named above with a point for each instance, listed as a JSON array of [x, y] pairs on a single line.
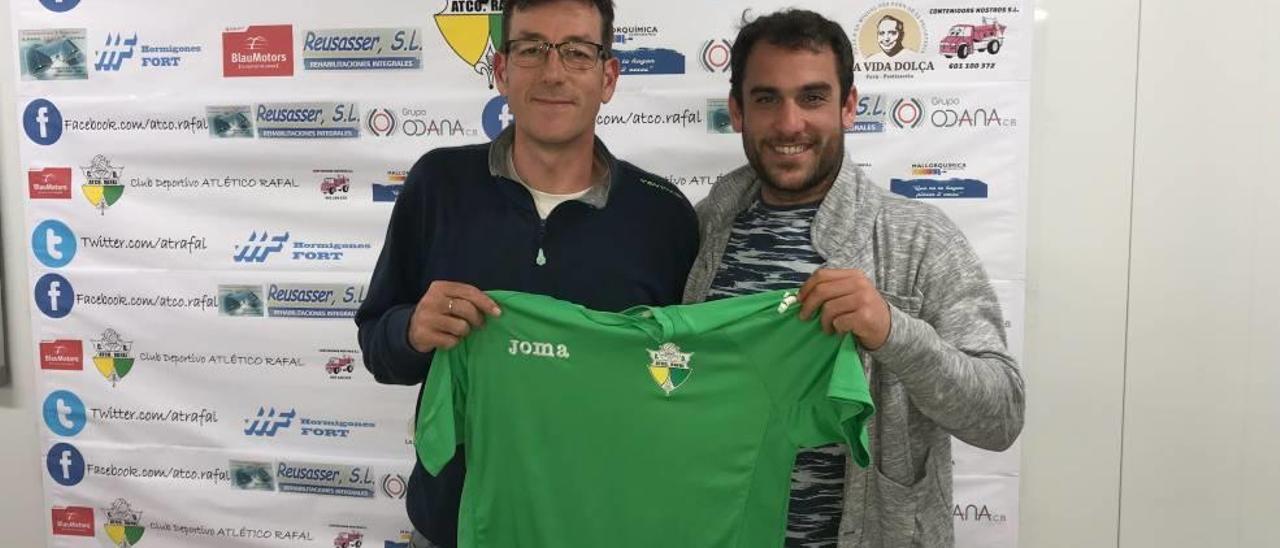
[[849, 110], [500, 71], [735, 113], [612, 68]]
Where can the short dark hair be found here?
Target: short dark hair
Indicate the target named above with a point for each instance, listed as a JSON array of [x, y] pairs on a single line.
[[793, 29], [605, 7]]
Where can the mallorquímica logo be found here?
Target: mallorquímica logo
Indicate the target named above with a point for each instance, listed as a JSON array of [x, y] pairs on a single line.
[[638, 53]]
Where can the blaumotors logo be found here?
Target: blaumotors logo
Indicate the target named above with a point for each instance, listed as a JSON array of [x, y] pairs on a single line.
[[59, 5], [53, 243], [65, 464], [42, 122], [269, 422], [64, 413], [497, 116], [259, 247], [115, 52], [54, 296]]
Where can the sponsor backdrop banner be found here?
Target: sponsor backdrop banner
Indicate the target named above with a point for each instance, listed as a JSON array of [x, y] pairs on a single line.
[[208, 185]]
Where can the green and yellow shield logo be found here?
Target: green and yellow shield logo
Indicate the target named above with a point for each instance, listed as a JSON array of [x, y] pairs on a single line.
[[102, 187], [102, 196], [669, 367], [111, 356], [124, 536], [123, 525], [473, 29]]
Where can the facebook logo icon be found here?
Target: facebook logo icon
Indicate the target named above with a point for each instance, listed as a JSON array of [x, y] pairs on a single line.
[[54, 296], [59, 5], [64, 413], [43, 122], [53, 243], [65, 464], [497, 116]]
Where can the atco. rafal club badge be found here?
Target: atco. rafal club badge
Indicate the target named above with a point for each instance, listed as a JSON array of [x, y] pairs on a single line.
[[124, 524], [669, 367]]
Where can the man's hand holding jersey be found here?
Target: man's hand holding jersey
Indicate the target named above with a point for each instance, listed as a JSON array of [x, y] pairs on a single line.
[[446, 313], [849, 303]]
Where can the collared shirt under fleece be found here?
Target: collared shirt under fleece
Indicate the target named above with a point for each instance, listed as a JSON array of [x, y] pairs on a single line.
[[462, 217]]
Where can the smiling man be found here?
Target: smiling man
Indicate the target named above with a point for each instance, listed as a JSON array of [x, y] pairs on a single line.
[[544, 208], [895, 273]]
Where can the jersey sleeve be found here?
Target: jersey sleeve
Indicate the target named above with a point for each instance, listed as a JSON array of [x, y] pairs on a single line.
[[839, 413], [851, 400], [441, 412]]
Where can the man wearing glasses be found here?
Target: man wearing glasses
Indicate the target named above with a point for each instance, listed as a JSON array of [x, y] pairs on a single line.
[[544, 208]]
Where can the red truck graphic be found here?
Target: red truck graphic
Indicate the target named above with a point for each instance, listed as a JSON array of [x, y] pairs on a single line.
[[337, 365], [349, 540], [334, 184], [963, 39]]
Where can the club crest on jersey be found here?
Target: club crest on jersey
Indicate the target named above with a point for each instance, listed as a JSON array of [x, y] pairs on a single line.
[[669, 367]]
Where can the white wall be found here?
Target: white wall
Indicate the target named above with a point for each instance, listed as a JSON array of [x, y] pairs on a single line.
[[23, 517], [1153, 295], [1202, 398], [1079, 201]]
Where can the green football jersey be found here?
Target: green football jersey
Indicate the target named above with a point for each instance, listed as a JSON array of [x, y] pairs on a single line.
[[656, 427]]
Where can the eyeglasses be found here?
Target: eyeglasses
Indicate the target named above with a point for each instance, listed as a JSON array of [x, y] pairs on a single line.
[[574, 54]]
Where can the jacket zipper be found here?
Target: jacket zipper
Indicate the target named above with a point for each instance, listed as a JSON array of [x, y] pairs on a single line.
[[542, 232]]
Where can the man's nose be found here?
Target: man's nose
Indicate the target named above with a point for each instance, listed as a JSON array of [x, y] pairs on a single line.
[[790, 120], [553, 69]]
